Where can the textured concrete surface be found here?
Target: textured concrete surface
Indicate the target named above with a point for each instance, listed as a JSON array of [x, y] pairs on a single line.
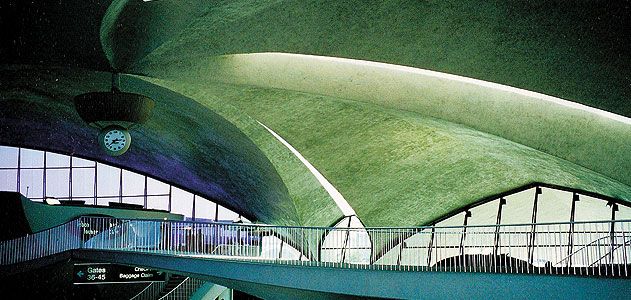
[[395, 161], [398, 168], [184, 143]]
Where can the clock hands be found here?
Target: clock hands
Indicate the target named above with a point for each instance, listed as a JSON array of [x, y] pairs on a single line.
[[115, 140]]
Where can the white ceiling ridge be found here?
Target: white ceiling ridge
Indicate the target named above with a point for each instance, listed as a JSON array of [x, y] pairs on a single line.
[[339, 199]]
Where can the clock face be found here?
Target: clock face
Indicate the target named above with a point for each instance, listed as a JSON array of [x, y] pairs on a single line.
[[115, 140]]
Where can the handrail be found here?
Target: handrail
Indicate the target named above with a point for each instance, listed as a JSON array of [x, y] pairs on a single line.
[[488, 248], [188, 286], [613, 249], [332, 228], [174, 289], [591, 244], [150, 291]]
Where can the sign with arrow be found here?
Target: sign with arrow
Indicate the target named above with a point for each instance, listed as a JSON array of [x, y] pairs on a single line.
[[101, 273]]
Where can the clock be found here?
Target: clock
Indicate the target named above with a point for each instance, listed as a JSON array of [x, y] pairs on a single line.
[[115, 140]]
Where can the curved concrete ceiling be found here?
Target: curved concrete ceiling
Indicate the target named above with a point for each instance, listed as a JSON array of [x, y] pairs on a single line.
[[395, 167], [131, 29], [592, 138], [385, 151], [577, 51], [183, 143]]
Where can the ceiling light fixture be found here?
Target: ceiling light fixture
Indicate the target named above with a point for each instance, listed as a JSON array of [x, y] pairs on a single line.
[[114, 113]]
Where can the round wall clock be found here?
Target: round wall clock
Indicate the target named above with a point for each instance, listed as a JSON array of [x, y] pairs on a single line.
[[115, 140]]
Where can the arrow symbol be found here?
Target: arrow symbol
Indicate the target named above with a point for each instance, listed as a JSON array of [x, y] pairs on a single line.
[[80, 274]]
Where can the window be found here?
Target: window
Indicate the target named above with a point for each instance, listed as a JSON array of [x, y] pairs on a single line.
[[37, 174]]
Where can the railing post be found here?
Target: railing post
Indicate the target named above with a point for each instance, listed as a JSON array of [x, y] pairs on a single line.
[[49, 244], [575, 198], [533, 231], [496, 243], [624, 248], [429, 248], [467, 215], [612, 230], [346, 240]]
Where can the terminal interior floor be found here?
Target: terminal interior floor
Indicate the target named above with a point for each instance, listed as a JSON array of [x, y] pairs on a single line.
[[315, 149]]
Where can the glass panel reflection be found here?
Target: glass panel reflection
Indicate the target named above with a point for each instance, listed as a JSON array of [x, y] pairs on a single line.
[[57, 183], [54, 160], [31, 183], [64, 177], [8, 180], [31, 158], [9, 157]]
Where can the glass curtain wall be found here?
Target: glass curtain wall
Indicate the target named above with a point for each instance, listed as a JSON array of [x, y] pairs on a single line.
[[41, 175], [559, 245]]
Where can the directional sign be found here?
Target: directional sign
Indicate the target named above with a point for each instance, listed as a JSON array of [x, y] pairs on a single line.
[[112, 273]]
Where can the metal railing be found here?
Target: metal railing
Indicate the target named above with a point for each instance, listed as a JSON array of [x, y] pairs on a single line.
[[184, 290], [150, 292], [578, 248], [45, 243]]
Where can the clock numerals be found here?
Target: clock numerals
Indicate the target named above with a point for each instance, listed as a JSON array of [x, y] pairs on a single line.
[[115, 140]]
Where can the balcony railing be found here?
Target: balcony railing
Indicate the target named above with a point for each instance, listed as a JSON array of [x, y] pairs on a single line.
[[578, 248]]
